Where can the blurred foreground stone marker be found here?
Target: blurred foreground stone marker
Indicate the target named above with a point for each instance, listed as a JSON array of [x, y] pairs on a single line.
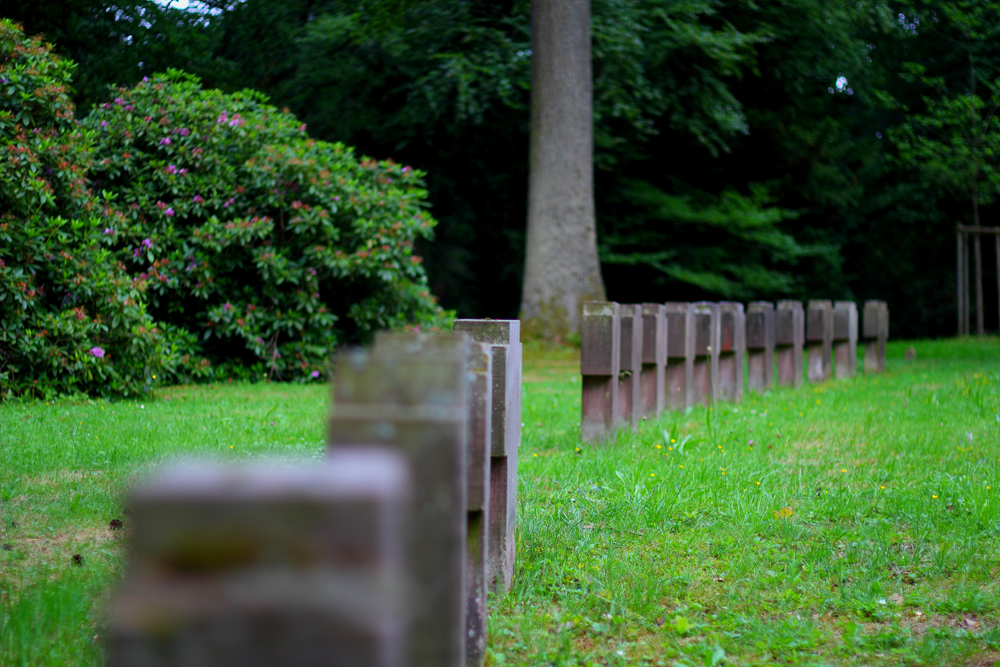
[[875, 334], [652, 385], [760, 346], [679, 375], [706, 351], [600, 365], [268, 565], [410, 393], [845, 338], [732, 349], [630, 366], [477, 545], [819, 339], [789, 337], [504, 338]]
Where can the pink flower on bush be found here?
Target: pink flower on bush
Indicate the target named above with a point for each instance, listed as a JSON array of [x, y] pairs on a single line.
[[165, 141], [97, 352], [315, 374], [171, 169], [198, 199], [169, 212]]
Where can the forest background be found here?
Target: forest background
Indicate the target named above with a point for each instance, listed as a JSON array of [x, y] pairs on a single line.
[[743, 150]]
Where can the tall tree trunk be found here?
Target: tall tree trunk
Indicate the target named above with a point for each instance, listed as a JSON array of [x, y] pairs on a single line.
[[561, 268]]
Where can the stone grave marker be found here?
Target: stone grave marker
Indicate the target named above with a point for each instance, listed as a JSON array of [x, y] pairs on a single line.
[[410, 393], [679, 374], [260, 565], [819, 339], [504, 338], [789, 337], [706, 351], [732, 349], [600, 365], [654, 360], [845, 338], [875, 333], [760, 345], [477, 546], [630, 366]]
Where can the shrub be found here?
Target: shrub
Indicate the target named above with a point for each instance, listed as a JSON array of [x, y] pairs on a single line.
[[266, 247], [71, 318]]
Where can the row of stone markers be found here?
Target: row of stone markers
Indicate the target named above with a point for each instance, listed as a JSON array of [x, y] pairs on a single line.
[[382, 555], [638, 359]]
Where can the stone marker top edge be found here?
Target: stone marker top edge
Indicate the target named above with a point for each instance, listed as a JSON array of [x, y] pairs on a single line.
[[420, 344], [653, 308], [493, 332], [675, 307], [844, 305], [760, 307], [789, 304], [820, 303], [345, 473], [731, 306], [705, 307], [600, 308]]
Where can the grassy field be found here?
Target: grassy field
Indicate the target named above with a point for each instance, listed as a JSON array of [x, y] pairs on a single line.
[[851, 523]]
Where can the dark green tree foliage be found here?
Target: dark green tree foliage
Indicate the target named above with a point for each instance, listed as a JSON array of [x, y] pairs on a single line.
[[265, 246], [71, 318], [712, 119], [118, 42]]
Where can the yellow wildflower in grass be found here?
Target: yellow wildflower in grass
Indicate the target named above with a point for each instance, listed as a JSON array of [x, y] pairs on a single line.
[[933, 496]]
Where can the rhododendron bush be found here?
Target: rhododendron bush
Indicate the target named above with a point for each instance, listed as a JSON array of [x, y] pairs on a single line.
[[178, 233], [265, 245], [71, 318]]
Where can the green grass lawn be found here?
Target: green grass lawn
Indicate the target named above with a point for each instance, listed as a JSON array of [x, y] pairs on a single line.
[[859, 527]]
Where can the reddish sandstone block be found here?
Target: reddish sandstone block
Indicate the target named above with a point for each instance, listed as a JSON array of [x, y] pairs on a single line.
[[504, 338], [819, 339], [600, 365], [679, 372], [652, 383], [707, 336], [266, 565], [845, 338], [630, 366], [410, 393], [789, 338], [760, 345], [732, 349]]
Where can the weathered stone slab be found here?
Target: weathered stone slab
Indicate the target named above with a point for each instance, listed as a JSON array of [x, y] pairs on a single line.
[[600, 366], [706, 351], [819, 339], [267, 565], [504, 337], [630, 365], [845, 338], [477, 545], [789, 337], [410, 393], [760, 345], [679, 373], [732, 349], [652, 383], [875, 334]]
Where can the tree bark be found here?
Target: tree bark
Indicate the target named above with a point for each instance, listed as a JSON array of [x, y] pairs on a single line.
[[562, 268]]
